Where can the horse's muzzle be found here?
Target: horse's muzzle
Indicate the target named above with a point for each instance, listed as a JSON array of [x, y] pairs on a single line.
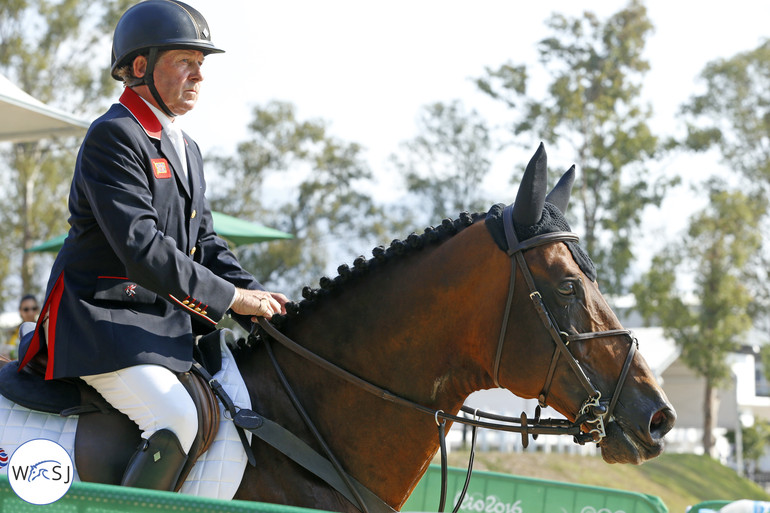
[[638, 438]]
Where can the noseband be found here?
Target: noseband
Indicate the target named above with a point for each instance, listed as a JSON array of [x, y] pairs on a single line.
[[592, 412]]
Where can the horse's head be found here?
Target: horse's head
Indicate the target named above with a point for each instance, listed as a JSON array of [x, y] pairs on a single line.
[[581, 361]]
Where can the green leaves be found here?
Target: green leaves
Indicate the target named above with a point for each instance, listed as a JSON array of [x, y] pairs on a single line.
[[711, 319], [733, 113], [444, 165], [48, 49], [595, 69], [293, 175]]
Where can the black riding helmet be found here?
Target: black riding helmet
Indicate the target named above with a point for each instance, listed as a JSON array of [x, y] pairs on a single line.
[[154, 25]]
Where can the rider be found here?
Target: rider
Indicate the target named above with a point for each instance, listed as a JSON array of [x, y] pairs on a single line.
[[142, 270]]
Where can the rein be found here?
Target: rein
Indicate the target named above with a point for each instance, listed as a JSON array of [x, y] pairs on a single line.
[[592, 412]]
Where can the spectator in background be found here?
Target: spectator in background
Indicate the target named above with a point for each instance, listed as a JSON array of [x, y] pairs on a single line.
[[28, 309]]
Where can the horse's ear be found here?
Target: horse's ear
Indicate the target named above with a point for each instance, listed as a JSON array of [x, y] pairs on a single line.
[[528, 208], [559, 196]]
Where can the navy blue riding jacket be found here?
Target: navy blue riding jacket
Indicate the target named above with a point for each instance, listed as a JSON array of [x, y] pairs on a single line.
[[141, 259]]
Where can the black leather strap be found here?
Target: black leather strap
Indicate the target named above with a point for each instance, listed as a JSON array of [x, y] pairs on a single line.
[[304, 455], [219, 391], [286, 442]]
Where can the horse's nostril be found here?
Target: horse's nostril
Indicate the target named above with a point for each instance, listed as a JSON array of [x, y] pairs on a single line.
[[662, 422]]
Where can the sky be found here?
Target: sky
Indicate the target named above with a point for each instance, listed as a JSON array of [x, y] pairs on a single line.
[[367, 68]]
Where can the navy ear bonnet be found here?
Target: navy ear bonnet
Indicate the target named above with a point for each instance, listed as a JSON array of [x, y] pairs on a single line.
[[552, 220]]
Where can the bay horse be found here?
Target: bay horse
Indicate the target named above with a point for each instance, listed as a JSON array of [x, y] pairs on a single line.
[[509, 302], [423, 320]]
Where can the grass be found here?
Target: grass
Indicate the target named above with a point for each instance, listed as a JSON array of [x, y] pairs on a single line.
[[680, 480]]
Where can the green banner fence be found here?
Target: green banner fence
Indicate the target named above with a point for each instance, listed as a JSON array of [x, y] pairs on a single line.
[[491, 492], [101, 498], [488, 493]]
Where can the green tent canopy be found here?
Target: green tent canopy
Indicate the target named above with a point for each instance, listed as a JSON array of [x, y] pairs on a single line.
[[241, 232], [50, 246], [236, 231]]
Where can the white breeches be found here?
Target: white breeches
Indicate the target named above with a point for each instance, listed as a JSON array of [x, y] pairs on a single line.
[[151, 396]]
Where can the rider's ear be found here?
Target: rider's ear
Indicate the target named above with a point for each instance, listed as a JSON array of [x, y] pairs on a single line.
[[560, 194], [530, 199], [139, 66]]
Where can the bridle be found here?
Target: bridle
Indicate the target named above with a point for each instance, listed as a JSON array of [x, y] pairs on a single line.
[[592, 412]]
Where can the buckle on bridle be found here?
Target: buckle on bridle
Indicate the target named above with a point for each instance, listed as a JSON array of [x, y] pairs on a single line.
[[592, 413]]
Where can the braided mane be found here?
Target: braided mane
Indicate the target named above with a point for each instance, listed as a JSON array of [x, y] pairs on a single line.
[[381, 256]]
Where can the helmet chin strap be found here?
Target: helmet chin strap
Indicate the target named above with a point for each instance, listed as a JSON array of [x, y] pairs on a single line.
[[149, 81]]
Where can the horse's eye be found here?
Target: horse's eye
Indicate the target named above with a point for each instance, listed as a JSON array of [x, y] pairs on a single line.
[[567, 288]]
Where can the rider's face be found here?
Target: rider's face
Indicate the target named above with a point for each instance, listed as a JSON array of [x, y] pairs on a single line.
[[177, 78]]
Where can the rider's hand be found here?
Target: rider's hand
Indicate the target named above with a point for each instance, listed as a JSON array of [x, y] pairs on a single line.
[[258, 303]]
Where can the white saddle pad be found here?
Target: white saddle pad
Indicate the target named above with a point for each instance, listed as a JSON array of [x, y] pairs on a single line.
[[216, 474]]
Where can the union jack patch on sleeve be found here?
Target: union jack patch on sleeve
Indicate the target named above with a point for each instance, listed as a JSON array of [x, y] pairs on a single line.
[[160, 168]]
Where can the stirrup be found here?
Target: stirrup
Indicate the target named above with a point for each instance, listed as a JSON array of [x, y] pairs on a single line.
[[157, 463]]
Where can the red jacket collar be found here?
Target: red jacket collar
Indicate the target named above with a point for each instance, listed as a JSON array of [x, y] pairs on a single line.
[[136, 106]]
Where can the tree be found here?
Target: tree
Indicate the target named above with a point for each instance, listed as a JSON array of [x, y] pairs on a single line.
[[54, 51], [444, 165], [754, 440], [720, 242], [595, 70], [294, 176], [732, 114]]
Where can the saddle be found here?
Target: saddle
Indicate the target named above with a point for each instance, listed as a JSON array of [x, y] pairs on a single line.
[[106, 438]]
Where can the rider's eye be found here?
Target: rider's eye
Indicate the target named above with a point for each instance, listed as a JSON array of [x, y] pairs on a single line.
[[567, 288]]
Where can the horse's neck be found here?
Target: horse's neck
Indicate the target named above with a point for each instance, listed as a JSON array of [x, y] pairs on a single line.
[[419, 329]]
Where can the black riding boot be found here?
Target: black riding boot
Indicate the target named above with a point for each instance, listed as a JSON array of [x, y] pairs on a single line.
[[157, 462]]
